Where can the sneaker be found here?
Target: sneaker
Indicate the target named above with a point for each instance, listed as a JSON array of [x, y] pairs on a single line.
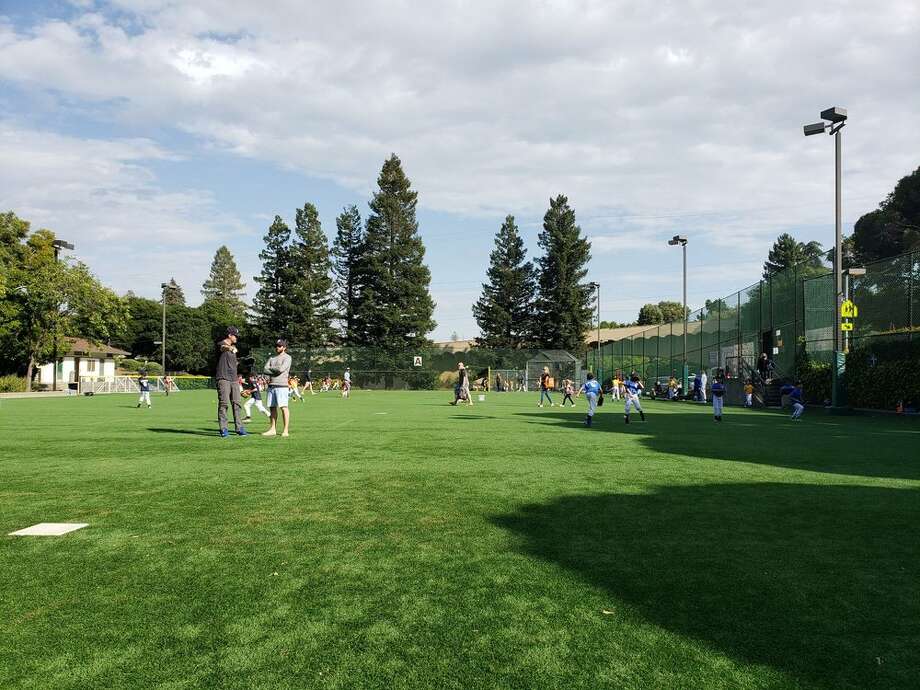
[[241, 432], [224, 433], [138, 406], [247, 419], [626, 419], [539, 404]]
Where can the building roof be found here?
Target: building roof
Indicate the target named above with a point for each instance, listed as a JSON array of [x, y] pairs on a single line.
[[455, 345], [612, 334], [84, 347]]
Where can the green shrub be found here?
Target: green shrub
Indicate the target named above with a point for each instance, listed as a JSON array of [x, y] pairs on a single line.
[[134, 366], [194, 383], [12, 384], [816, 379], [879, 374]]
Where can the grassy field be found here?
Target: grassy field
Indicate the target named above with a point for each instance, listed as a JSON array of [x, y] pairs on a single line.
[[395, 541]]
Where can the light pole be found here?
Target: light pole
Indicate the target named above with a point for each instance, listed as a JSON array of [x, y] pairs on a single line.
[[597, 361], [682, 241], [171, 285], [836, 119], [58, 246]]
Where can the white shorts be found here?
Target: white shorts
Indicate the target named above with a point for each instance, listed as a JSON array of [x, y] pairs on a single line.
[[278, 396]]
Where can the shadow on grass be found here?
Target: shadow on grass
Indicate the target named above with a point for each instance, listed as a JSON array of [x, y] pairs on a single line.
[[819, 443], [822, 582], [187, 432]]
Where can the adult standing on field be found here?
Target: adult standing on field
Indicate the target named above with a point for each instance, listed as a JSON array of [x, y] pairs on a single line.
[[228, 387], [462, 391], [278, 368]]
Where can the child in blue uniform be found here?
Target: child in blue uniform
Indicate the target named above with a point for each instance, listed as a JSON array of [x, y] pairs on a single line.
[[592, 391], [633, 389], [798, 400], [718, 392]]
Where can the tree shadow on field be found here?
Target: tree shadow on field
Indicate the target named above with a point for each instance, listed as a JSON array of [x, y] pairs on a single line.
[[187, 432], [818, 443], [821, 582]]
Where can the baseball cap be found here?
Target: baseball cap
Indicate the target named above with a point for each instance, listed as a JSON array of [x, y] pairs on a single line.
[[281, 341], [233, 330]]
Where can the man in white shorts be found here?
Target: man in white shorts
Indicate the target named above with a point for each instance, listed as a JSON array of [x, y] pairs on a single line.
[[278, 368], [633, 391]]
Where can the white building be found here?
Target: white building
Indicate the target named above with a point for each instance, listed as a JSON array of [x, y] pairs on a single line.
[[82, 358]]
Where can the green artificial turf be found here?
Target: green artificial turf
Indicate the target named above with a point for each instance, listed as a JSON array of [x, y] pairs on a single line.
[[395, 541]]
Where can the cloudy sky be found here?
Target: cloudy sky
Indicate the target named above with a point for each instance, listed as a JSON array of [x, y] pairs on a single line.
[[149, 132]]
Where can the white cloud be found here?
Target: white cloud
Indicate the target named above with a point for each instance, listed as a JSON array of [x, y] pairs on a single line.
[[102, 196], [651, 118]]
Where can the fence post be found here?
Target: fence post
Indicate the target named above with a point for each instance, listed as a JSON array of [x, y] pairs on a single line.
[[910, 298]]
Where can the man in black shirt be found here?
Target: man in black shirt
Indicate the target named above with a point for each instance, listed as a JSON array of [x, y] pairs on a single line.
[[228, 386]]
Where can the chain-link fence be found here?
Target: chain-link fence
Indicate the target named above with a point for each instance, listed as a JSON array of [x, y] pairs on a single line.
[[425, 368], [787, 315]]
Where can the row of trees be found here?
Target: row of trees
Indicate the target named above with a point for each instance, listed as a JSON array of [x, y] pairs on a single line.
[[371, 289], [42, 300], [546, 305]]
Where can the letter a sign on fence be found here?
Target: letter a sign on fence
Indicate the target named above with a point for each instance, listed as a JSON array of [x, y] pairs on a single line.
[[416, 361]]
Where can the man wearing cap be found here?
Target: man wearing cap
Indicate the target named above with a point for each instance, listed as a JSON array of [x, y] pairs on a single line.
[[278, 368], [228, 386]]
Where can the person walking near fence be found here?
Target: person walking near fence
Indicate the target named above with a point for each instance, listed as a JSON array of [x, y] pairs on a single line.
[[616, 387], [278, 368], [462, 390], [718, 392], [346, 383], [704, 379], [228, 387], [545, 387]]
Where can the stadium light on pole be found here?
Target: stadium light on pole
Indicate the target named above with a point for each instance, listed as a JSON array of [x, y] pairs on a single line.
[[597, 361], [58, 246], [682, 241], [171, 285], [835, 120]]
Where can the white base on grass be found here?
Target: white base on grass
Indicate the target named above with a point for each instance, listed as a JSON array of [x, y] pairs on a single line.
[[49, 529]]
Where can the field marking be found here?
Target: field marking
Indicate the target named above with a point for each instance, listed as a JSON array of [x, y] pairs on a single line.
[[49, 529]]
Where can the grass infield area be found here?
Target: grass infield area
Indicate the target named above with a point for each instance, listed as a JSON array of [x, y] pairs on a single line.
[[395, 541]]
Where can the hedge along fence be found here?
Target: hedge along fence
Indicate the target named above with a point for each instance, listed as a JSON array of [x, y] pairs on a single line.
[[880, 373], [194, 383]]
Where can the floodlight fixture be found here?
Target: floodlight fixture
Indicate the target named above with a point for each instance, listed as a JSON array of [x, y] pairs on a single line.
[[676, 240], [816, 128], [61, 244], [835, 114], [855, 272]]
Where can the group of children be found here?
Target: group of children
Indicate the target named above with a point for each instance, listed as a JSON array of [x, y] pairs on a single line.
[[631, 390]]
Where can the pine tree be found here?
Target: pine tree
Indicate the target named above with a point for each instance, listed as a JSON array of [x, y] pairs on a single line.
[[224, 285], [394, 310], [313, 296], [346, 250], [174, 295], [503, 312], [787, 252], [563, 308], [274, 307]]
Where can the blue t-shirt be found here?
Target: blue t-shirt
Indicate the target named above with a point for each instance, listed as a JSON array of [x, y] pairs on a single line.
[[632, 387], [718, 389], [592, 386], [144, 384]]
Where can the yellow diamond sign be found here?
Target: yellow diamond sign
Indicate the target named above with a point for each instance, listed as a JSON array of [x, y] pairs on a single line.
[[848, 310]]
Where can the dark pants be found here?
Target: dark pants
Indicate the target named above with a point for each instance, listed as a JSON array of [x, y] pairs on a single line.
[[228, 393]]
